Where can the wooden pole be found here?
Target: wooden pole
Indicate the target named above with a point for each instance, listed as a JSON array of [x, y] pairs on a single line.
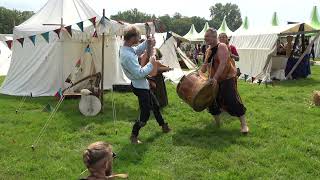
[[102, 64]]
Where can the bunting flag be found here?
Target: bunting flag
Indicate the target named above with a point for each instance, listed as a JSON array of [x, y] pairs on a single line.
[[68, 80], [59, 94], [33, 39], [45, 36], [57, 31], [80, 24], [21, 40], [78, 63], [68, 28], [95, 34], [88, 49], [93, 21], [9, 43]]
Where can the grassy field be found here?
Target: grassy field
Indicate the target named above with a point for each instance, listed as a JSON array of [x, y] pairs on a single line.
[[284, 142]]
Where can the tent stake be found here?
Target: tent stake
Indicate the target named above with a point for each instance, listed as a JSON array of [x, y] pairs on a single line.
[[102, 70]]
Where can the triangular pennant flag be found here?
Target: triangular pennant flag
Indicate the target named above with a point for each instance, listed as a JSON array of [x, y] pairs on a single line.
[[33, 39], [80, 24], [45, 36], [68, 80], [59, 94], [57, 31], [93, 21], [21, 40], [78, 63], [9, 43], [88, 50], [68, 28], [95, 34]]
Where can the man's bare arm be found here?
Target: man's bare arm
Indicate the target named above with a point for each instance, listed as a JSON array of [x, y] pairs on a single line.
[[223, 54]]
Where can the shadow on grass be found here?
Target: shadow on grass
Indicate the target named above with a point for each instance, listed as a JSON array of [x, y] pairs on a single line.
[[210, 137], [132, 154]]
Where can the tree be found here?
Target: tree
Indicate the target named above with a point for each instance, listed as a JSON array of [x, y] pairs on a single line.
[[133, 16], [10, 18], [232, 13]]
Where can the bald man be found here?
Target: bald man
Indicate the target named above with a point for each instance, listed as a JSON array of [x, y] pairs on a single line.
[[222, 71]]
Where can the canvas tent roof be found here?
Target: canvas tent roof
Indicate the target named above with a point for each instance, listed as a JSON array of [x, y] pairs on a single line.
[[48, 18], [203, 32], [243, 27], [256, 45], [5, 54], [314, 22], [42, 69], [224, 28], [192, 35]]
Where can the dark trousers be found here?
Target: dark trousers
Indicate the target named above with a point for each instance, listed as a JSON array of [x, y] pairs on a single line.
[[228, 99], [147, 102]]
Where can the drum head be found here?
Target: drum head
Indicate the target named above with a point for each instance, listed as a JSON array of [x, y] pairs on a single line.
[[90, 105], [205, 97]]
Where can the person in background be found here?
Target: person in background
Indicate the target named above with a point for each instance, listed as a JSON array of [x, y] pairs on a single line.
[[289, 46], [203, 50], [196, 54], [98, 158], [129, 57], [223, 38]]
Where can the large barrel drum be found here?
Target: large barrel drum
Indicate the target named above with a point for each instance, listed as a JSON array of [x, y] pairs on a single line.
[[197, 91]]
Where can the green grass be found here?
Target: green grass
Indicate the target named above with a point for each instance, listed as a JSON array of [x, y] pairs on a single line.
[[284, 142]]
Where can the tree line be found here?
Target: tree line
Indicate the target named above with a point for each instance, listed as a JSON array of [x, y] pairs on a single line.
[[177, 22]]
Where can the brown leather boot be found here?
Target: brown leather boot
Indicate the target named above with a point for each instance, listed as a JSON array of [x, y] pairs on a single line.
[[165, 128], [134, 140]]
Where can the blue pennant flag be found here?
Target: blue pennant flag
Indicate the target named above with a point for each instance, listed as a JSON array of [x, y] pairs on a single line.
[[59, 94], [80, 24], [33, 39], [45, 36]]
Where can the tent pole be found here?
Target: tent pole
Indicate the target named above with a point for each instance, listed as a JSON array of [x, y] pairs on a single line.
[[102, 70]]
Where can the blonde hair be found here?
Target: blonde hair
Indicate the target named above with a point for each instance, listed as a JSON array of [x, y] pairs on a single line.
[[95, 153]]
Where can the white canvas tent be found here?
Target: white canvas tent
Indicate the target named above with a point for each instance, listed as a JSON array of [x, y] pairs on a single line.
[[42, 69], [257, 50], [5, 54]]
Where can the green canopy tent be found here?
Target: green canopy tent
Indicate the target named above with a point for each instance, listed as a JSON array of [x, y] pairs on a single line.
[[203, 32], [275, 20], [315, 23], [244, 26], [224, 28], [192, 35]]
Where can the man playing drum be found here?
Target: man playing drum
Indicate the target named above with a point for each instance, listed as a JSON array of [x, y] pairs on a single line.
[[222, 71]]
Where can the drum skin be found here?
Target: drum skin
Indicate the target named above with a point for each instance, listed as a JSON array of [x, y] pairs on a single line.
[[196, 91], [90, 105]]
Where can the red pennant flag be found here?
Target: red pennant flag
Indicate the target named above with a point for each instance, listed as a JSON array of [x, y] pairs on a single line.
[[95, 34], [21, 40], [93, 21], [78, 63], [9, 43], [57, 31], [68, 28]]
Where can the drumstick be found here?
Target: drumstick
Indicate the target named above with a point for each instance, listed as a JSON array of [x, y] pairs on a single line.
[[122, 176]]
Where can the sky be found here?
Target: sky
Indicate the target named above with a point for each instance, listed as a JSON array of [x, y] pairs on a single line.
[[259, 12]]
